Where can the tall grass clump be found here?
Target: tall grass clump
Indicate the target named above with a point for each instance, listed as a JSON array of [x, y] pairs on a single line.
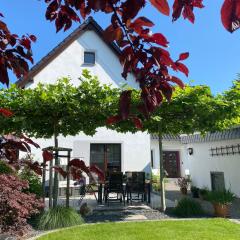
[[59, 217]]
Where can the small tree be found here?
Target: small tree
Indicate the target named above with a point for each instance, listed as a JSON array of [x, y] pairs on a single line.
[[192, 109], [59, 109]]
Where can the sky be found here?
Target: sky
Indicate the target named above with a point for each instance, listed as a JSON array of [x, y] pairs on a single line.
[[214, 52]]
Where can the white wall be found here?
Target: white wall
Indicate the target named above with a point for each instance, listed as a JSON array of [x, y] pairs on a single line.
[[201, 163], [135, 147], [71, 63]]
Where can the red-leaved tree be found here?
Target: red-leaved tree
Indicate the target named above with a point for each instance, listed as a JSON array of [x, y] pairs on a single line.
[[143, 52], [15, 205]]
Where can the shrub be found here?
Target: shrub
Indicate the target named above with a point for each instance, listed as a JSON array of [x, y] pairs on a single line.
[[155, 178], [5, 168], [34, 182], [195, 191], [203, 192], [222, 197], [15, 205], [187, 207], [183, 182], [59, 217]]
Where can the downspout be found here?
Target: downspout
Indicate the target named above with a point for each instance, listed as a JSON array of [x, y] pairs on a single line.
[[163, 200]]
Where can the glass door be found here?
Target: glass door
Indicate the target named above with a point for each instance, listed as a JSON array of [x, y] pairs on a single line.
[[106, 156]]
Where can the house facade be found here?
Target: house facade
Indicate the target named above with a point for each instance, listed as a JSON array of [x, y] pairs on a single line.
[[86, 48], [212, 161]]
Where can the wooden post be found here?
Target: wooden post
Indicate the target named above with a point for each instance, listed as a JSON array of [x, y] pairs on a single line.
[[163, 200], [55, 189], [68, 181], [50, 184], [43, 182]]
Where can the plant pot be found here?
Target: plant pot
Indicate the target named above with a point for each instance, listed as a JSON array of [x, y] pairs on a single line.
[[221, 210], [183, 190]]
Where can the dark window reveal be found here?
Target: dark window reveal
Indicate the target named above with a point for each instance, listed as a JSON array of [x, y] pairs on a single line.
[[89, 57]]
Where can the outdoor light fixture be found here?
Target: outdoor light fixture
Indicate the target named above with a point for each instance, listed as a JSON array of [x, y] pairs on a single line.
[[190, 151]]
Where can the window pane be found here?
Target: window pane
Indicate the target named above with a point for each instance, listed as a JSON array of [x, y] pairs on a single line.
[[97, 155], [89, 57], [114, 156]]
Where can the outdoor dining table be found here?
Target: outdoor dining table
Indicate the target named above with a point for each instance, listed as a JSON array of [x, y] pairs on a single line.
[[147, 195]]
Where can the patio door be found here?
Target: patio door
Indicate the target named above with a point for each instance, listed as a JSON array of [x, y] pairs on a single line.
[[171, 163], [106, 156]]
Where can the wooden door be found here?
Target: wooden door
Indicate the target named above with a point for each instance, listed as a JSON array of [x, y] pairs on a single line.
[[217, 181], [171, 163]]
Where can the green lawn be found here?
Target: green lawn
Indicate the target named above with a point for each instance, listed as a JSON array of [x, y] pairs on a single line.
[[213, 229]]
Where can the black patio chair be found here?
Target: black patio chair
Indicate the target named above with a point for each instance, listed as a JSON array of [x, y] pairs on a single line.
[[114, 184], [135, 186]]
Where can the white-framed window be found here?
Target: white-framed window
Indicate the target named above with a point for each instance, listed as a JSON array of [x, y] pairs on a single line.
[[89, 57]]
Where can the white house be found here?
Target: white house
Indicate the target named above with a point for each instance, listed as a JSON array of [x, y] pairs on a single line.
[[212, 161], [86, 48]]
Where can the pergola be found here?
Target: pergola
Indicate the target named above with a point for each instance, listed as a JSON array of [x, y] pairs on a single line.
[[57, 153]]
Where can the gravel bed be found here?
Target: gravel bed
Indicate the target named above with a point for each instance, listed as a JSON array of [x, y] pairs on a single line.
[[112, 216]]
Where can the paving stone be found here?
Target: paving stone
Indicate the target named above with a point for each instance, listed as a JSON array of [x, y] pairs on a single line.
[[135, 217]]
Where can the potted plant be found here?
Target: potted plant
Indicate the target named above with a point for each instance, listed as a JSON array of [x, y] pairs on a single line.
[[203, 192], [183, 183], [195, 192], [221, 201]]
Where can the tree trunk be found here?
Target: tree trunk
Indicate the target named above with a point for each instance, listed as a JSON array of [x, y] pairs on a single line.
[[163, 200], [55, 188]]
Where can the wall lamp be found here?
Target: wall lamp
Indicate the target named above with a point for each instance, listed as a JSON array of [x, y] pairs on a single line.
[[190, 151]]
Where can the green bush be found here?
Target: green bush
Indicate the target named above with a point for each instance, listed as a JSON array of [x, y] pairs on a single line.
[[34, 181], [155, 178], [187, 207], [5, 168], [59, 217], [203, 192], [195, 191], [222, 197]]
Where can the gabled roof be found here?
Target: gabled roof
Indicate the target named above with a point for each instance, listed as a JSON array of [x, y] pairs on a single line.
[[89, 24]]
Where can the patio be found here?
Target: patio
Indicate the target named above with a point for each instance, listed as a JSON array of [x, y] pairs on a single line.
[[140, 211]]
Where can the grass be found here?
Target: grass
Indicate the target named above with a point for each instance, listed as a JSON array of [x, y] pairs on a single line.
[[207, 229]]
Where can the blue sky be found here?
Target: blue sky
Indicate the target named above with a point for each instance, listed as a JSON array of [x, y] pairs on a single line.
[[214, 53]]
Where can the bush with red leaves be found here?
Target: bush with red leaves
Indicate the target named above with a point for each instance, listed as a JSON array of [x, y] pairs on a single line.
[[16, 206]]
